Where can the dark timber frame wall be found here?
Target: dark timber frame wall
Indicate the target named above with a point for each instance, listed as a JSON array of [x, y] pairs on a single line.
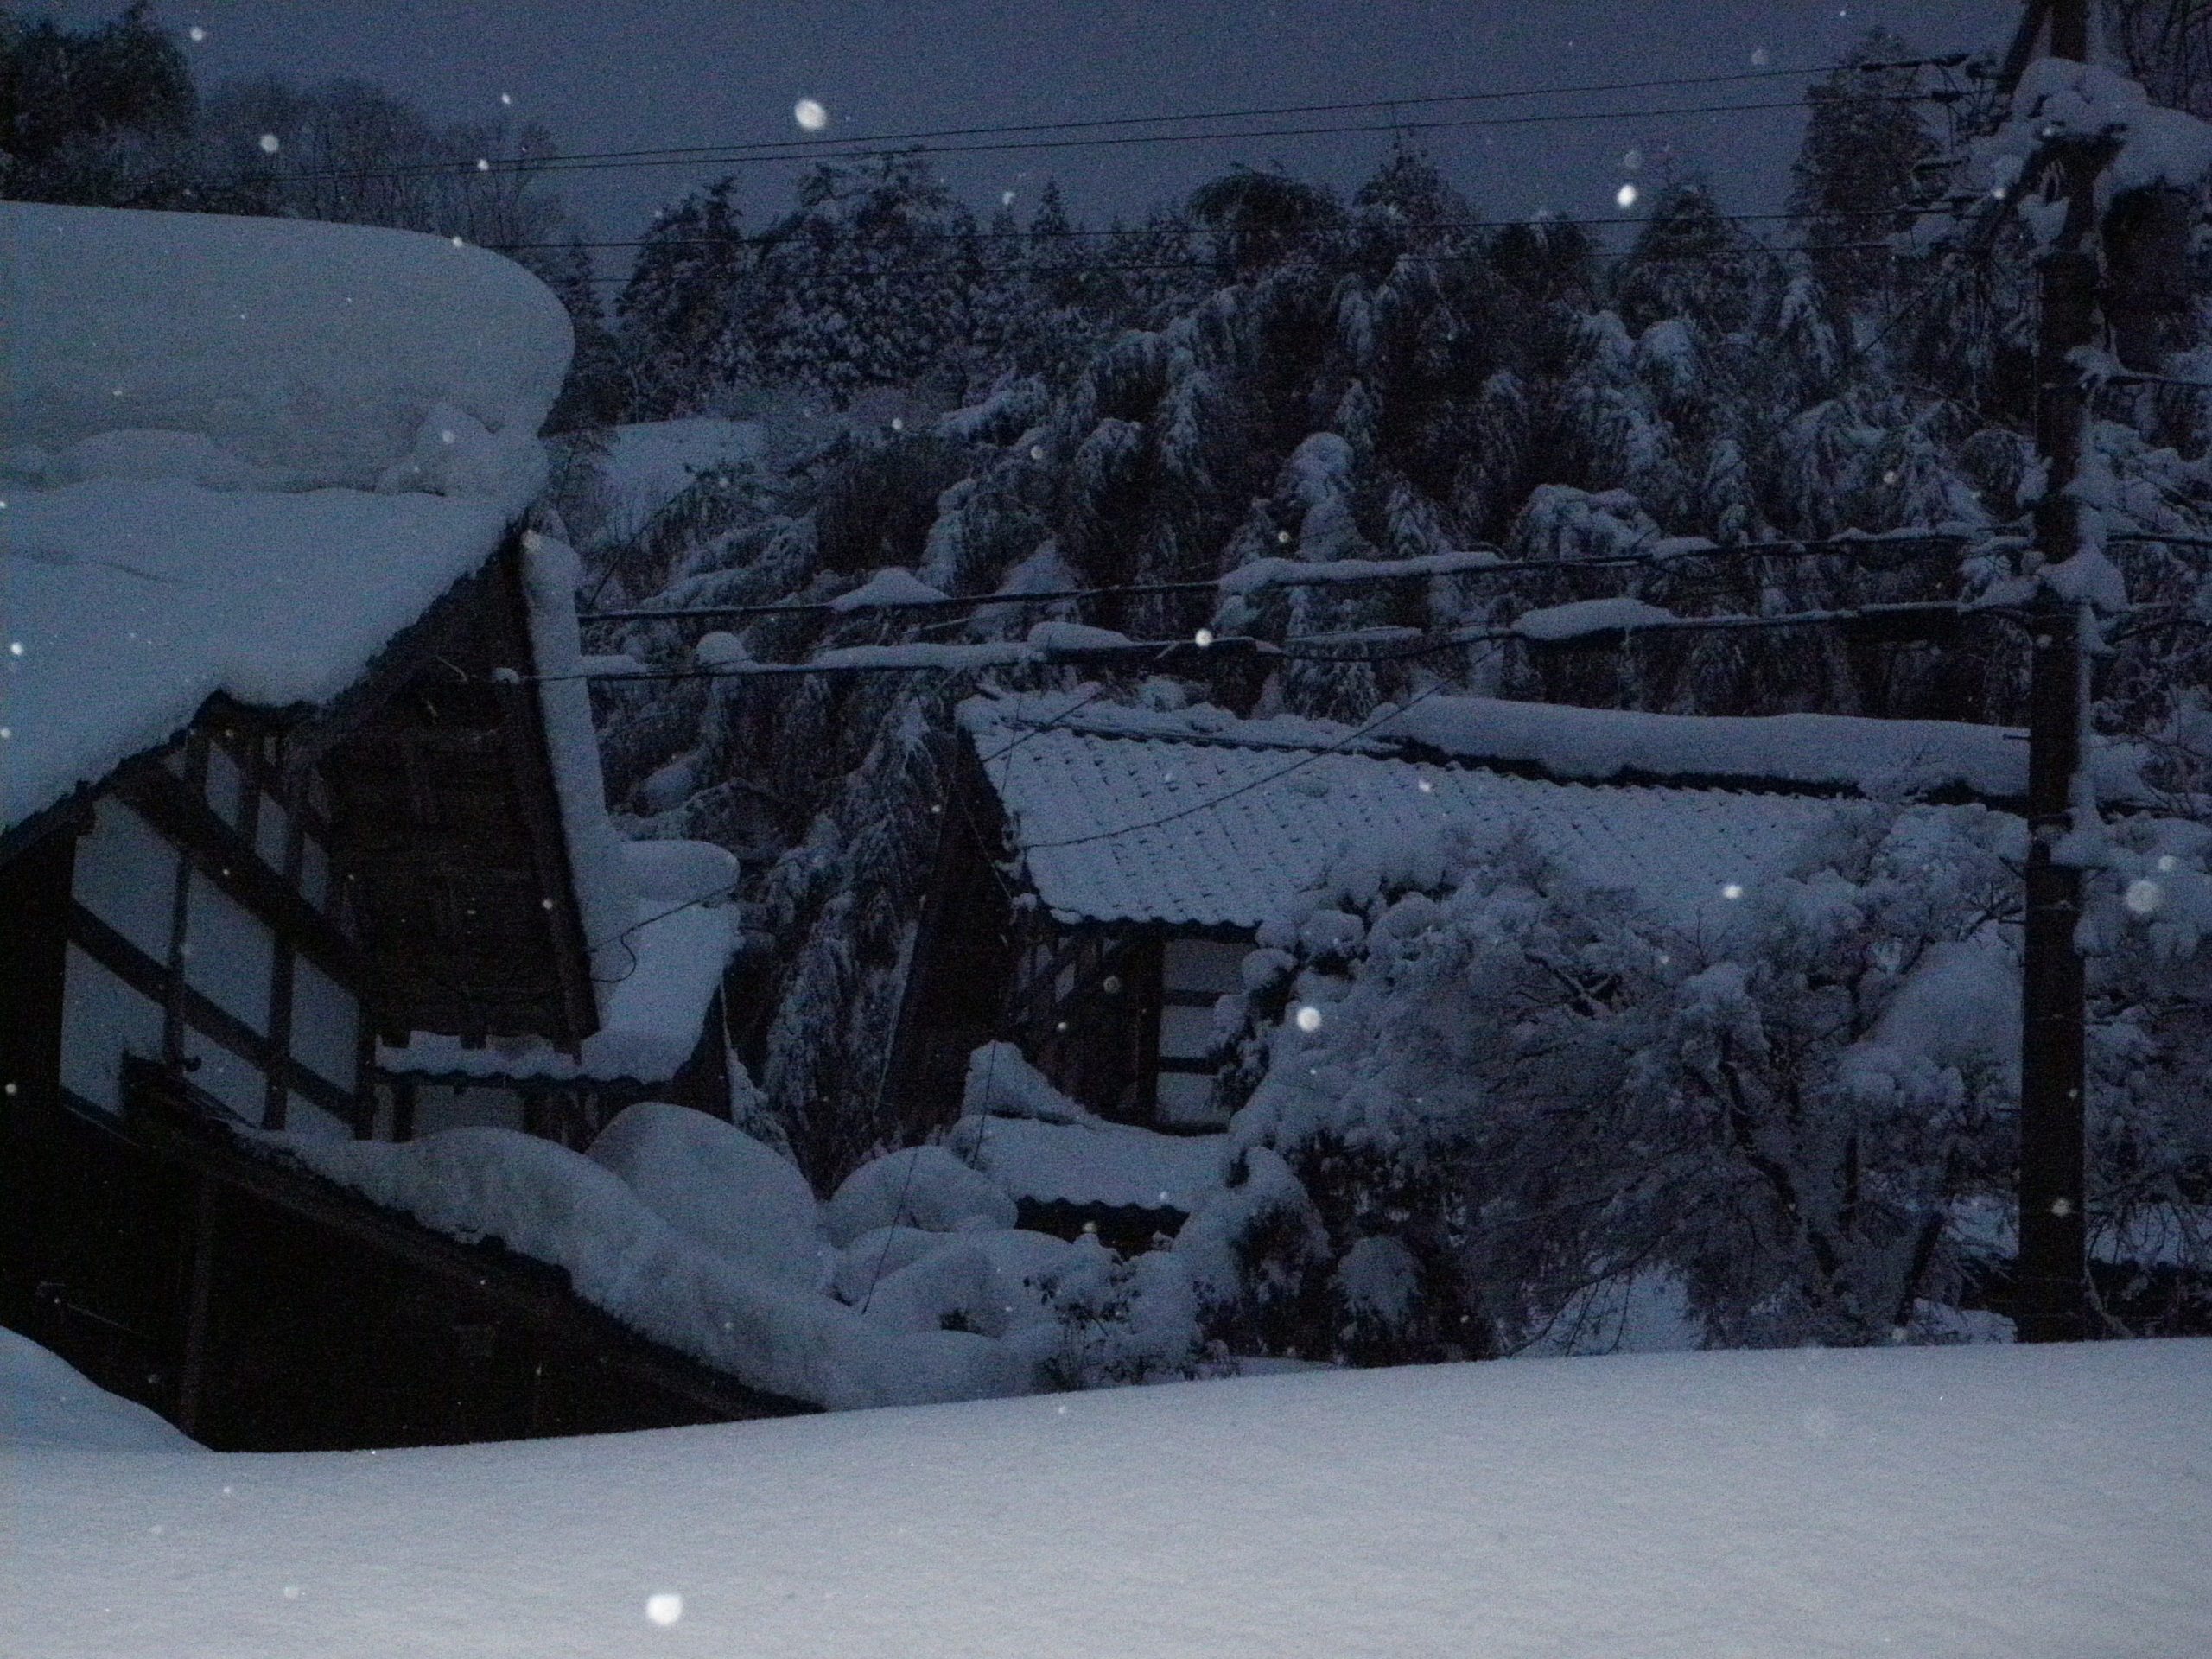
[[301, 1316], [251, 1301], [1081, 999]]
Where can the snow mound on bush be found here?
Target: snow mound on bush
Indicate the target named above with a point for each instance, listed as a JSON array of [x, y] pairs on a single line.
[[716, 1185], [922, 1187], [1002, 1083]]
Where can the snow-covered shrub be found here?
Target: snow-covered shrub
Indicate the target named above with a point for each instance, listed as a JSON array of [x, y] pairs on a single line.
[[2149, 930], [1816, 1100], [1124, 1320], [1484, 1087], [1002, 1083], [922, 1187], [716, 1185]]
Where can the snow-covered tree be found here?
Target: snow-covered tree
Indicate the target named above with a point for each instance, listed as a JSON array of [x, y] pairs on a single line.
[[1507, 1087]]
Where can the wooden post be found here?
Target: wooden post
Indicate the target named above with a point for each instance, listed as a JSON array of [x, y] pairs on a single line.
[[198, 1293], [2052, 1264], [2069, 30]]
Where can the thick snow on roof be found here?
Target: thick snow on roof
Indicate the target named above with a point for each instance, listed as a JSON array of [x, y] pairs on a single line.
[[1989, 1502], [1836, 752], [604, 878], [1214, 832], [314, 351], [664, 970], [125, 604], [685, 1291], [239, 456]]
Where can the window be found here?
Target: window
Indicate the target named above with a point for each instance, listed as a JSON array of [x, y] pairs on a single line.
[[272, 830]]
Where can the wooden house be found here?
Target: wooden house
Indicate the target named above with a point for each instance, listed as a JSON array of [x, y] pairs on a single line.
[[303, 835], [1108, 869]]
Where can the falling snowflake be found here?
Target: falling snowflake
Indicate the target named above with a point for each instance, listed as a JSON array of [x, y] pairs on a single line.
[[506, 97], [1631, 160], [1626, 196], [1204, 636], [1308, 1018], [809, 115], [196, 33], [270, 144], [2142, 896], [664, 1607], [1732, 890]]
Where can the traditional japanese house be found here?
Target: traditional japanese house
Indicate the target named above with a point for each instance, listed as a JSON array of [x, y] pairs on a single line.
[[1107, 869], [304, 835]]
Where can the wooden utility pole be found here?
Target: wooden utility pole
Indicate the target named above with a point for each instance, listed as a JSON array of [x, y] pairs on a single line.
[[2052, 1267]]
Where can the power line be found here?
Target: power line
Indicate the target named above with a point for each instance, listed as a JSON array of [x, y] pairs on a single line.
[[803, 149], [1430, 646], [910, 659], [1124, 140]]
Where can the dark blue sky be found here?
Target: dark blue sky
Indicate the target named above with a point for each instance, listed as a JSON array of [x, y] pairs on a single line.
[[606, 74]]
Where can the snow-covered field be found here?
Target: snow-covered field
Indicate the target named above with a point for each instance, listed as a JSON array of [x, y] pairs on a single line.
[[2006, 1502]]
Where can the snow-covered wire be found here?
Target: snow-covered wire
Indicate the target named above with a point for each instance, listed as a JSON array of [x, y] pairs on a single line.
[[1333, 574]]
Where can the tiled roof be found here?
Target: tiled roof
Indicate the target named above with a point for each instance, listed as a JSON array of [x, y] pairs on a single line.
[[1208, 831]]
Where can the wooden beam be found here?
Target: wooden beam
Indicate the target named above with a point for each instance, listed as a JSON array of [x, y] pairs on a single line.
[[228, 861]]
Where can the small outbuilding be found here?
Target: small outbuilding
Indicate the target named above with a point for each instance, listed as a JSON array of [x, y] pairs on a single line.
[[1108, 868]]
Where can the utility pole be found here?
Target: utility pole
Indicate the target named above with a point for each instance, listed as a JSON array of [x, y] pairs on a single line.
[[2052, 1264]]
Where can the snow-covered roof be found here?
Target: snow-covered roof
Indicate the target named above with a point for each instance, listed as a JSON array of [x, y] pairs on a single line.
[[665, 971], [239, 456], [1191, 827], [311, 352], [1116, 1165], [126, 603], [1842, 753]]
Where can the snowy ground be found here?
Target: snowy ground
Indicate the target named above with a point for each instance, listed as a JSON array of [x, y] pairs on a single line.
[[2011, 1503]]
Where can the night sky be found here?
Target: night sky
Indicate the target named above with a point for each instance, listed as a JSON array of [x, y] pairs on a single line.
[[607, 74]]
